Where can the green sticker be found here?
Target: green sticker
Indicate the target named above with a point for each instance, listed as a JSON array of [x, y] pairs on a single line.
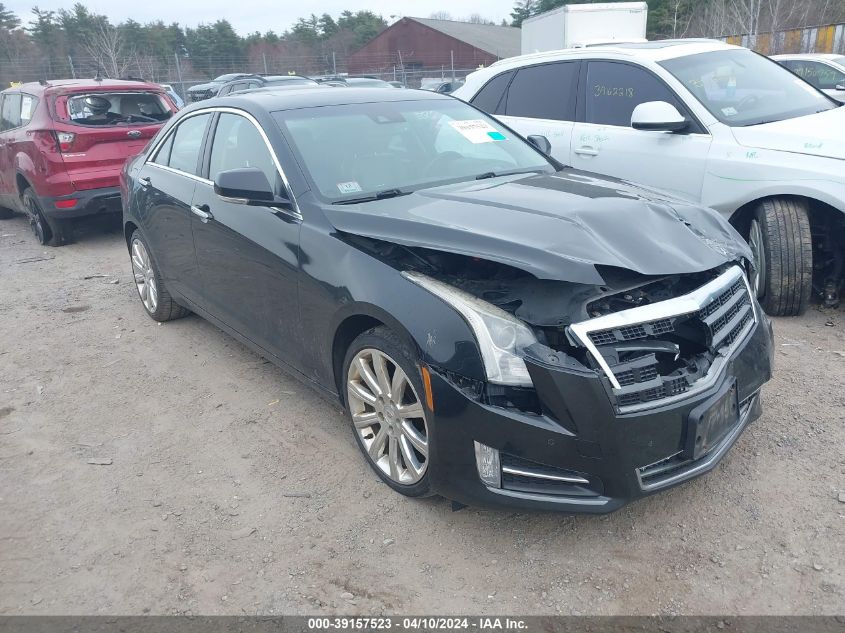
[[496, 136]]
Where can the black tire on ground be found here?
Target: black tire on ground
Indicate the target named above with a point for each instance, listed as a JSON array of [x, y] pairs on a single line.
[[47, 232], [6, 214], [166, 308], [386, 341], [787, 275]]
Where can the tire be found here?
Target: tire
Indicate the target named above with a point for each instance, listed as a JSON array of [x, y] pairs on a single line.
[[783, 255], [403, 436], [155, 298], [47, 232], [6, 214]]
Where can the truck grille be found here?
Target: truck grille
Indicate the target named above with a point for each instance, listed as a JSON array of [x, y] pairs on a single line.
[[670, 348]]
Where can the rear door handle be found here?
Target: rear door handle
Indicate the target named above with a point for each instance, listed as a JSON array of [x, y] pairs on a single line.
[[144, 181], [202, 212], [587, 151]]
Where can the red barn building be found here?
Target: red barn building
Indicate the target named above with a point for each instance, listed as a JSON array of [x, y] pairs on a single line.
[[423, 46]]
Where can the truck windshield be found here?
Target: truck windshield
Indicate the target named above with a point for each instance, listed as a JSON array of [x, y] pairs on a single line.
[[357, 151], [742, 88]]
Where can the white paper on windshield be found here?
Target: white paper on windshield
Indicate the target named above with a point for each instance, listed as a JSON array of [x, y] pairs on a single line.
[[477, 131], [729, 111], [349, 187]]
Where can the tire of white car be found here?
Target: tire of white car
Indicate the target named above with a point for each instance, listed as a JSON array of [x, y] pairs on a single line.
[[788, 249]]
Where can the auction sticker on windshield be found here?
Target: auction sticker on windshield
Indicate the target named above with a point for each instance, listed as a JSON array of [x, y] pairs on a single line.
[[477, 131], [349, 187]]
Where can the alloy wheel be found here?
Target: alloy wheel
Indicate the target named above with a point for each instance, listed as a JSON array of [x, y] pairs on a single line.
[[145, 280], [388, 416], [758, 253]]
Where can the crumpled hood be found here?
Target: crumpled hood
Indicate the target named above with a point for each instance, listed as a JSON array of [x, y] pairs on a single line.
[[554, 226], [821, 134]]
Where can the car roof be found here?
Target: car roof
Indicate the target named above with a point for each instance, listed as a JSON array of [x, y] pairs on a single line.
[[82, 85], [654, 51], [279, 98]]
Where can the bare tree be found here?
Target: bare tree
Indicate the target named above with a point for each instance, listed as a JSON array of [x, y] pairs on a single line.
[[441, 15], [107, 45]]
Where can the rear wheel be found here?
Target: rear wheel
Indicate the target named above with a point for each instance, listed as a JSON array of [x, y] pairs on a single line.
[[392, 426], [47, 232], [781, 243], [151, 289]]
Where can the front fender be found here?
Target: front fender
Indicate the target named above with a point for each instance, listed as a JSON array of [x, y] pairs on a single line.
[[339, 282], [737, 177]]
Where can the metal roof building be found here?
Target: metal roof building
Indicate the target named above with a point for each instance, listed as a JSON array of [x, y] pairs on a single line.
[[423, 44]]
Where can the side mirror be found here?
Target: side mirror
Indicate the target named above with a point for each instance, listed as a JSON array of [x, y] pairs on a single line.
[[840, 86], [540, 142], [248, 185], [658, 116]]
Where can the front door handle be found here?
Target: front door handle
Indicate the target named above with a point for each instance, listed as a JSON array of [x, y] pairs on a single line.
[[144, 181], [202, 212], [587, 151]]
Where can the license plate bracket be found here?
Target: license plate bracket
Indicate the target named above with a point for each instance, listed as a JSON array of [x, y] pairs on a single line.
[[710, 422]]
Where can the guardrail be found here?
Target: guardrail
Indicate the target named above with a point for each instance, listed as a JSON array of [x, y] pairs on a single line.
[[811, 39]]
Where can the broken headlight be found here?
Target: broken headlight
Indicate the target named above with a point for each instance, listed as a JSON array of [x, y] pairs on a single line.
[[501, 336]]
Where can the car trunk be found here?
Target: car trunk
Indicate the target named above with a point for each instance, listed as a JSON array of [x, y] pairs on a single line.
[[95, 146]]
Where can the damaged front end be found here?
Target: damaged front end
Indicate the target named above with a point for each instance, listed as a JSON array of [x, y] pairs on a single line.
[[597, 391]]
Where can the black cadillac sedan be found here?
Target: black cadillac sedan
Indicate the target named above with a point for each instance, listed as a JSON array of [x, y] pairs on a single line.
[[501, 330]]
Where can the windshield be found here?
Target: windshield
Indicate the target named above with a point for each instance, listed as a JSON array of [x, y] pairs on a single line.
[[359, 150], [115, 108], [740, 88]]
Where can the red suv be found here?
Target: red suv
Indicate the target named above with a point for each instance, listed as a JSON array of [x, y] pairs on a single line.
[[63, 144]]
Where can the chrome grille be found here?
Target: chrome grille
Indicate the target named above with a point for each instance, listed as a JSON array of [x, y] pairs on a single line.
[[713, 317], [632, 332]]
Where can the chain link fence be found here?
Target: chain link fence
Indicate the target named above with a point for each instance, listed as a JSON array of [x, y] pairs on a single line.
[[184, 72]]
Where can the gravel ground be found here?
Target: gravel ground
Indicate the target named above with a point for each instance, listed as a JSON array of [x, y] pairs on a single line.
[[230, 488]]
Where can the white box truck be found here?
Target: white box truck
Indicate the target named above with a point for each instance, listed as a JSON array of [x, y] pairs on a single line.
[[576, 25]]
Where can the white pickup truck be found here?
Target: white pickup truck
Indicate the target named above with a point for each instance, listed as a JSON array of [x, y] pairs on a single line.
[[712, 123]]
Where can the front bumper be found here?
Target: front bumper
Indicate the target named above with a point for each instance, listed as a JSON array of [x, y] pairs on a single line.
[[580, 431], [88, 202]]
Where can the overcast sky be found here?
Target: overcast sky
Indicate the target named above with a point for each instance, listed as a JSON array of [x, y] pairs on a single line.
[[260, 15]]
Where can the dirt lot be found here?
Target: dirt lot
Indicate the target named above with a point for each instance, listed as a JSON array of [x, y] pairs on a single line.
[[233, 489]]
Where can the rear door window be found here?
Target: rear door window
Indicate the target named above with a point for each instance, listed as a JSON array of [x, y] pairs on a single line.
[[613, 90], [490, 97], [186, 144], [115, 108], [10, 114], [546, 91]]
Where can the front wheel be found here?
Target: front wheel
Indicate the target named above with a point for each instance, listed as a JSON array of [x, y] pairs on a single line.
[[391, 424], [782, 247], [6, 214]]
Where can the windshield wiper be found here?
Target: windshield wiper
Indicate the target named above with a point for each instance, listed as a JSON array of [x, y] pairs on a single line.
[[496, 174], [380, 195]]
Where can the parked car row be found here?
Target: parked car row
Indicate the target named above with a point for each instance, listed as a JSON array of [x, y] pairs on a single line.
[[704, 121]]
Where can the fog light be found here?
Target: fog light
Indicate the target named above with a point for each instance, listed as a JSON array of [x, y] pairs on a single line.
[[489, 469]]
